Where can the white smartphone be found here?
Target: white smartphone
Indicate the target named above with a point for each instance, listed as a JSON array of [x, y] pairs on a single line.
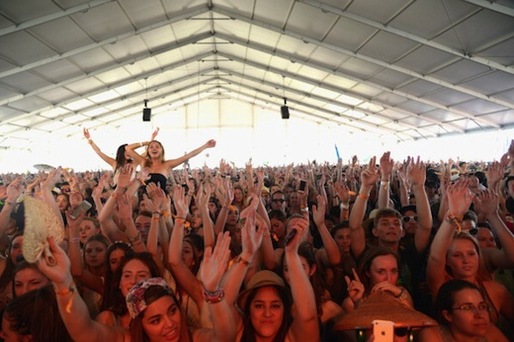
[[383, 331], [82, 207]]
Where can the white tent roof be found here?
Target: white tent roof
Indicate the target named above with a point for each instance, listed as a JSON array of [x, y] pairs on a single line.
[[398, 68]]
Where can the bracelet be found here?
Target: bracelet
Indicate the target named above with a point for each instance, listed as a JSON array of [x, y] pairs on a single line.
[[363, 196], [10, 203], [384, 183], [213, 297], [141, 181], [454, 221], [305, 209], [165, 214], [400, 294], [75, 240], [71, 290], [90, 141], [156, 213], [242, 260]]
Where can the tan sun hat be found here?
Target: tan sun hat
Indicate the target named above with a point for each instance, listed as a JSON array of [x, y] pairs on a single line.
[[382, 306], [262, 279], [40, 223]]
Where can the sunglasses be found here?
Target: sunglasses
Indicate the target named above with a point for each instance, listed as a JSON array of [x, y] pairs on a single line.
[[473, 231], [406, 219], [278, 200]]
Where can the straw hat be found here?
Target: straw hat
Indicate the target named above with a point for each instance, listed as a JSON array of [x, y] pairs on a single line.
[[382, 306], [261, 279], [40, 223]]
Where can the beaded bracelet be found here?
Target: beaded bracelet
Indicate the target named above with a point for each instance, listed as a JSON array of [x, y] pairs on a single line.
[[454, 221], [213, 297]]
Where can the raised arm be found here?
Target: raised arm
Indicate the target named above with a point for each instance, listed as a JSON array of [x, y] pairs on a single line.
[[214, 266], [78, 270], [486, 203], [182, 274], [369, 177], [386, 167], [305, 325], [175, 162], [459, 200], [416, 172], [329, 255], [202, 201], [105, 158], [72, 308]]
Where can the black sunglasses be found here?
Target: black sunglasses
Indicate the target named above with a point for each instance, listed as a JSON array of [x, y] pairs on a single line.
[[278, 200]]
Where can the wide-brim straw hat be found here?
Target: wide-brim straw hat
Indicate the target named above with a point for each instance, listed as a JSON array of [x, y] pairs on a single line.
[[382, 306], [40, 223], [262, 279]]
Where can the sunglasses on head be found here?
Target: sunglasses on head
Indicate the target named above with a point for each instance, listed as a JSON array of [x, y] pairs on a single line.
[[406, 219]]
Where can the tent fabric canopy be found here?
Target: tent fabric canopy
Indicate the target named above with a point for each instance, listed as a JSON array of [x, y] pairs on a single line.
[[407, 69]]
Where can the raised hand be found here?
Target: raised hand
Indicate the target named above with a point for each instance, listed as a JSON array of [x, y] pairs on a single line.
[[494, 173], [154, 133], [369, 176], [355, 287], [416, 171], [486, 202], [179, 200], [58, 273], [86, 134], [459, 197], [251, 238], [386, 166], [318, 211], [215, 262]]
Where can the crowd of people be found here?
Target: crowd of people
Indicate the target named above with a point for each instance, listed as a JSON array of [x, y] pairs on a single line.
[[148, 251]]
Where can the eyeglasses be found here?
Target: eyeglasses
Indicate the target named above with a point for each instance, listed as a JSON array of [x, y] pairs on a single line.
[[406, 219], [278, 200], [468, 307]]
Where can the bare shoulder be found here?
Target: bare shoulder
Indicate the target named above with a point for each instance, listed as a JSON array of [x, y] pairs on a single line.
[[432, 334]]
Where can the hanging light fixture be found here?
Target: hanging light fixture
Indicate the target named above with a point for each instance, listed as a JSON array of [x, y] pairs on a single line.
[[147, 112], [284, 110]]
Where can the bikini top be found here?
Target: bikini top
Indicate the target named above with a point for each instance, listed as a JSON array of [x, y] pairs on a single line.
[[158, 179]]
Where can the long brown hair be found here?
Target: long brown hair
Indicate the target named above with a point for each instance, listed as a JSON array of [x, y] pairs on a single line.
[[153, 293]]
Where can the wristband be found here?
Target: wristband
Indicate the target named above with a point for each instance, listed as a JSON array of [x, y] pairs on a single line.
[[242, 260], [345, 206], [213, 297], [71, 290], [454, 221], [363, 196]]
